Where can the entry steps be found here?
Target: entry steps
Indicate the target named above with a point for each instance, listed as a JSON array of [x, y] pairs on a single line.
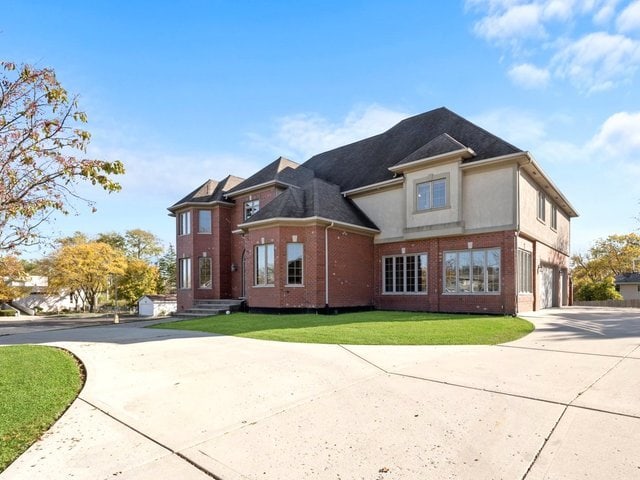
[[207, 308]]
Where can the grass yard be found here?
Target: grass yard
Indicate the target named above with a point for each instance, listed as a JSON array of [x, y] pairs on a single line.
[[364, 328], [37, 384]]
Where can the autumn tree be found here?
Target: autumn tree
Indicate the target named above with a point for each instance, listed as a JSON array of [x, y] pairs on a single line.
[[114, 239], [42, 148], [11, 269], [594, 271], [142, 244], [85, 268], [139, 279]]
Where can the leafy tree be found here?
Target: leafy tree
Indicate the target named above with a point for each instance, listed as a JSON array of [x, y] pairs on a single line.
[[600, 290], [10, 269], [594, 271], [114, 239], [41, 149], [167, 268], [139, 279], [142, 244], [86, 269], [77, 238]]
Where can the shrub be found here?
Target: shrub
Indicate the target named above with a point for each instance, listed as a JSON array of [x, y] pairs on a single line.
[[7, 313]]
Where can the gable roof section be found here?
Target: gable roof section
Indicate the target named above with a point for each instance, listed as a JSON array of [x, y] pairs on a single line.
[[209, 192], [315, 199], [368, 161], [282, 170], [440, 145]]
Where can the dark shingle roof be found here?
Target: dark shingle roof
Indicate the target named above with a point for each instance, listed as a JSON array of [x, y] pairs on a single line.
[[629, 277], [368, 161], [209, 192], [316, 198], [280, 169], [443, 143]]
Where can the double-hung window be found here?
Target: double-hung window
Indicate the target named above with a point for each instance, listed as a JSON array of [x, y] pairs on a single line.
[[204, 221], [525, 277], [542, 207], [431, 194], [184, 273], [250, 208], [184, 223], [264, 264], [554, 217], [472, 271], [404, 273], [295, 254]]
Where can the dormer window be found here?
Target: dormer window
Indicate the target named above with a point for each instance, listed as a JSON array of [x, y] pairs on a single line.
[[431, 194], [251, 207]]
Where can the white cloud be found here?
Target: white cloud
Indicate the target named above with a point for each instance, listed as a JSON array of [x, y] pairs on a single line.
[[629, 19], [605, 10], [303, 135], [517, 127], [598, 61], [516, 21], [590, 58], [529, 76], [619, 136]]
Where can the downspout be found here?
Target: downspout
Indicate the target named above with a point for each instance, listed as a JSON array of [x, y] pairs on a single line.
[[515, 250], [326, 265]]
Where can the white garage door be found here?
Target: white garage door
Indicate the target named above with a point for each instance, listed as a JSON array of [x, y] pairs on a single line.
[[546, 287]]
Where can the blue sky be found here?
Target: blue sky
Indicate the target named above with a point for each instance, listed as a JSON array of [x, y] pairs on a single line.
[[186, 91]]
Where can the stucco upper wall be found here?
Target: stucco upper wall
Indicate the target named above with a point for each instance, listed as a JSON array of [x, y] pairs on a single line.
[[443, 217], [558, 238], [386, 209], [488, 198]]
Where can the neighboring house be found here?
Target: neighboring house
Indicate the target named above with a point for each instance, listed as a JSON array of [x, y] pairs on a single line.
[[628, 284], [156, 305], [435, 214], [38, 299]]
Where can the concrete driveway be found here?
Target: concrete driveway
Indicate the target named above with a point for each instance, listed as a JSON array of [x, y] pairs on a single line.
[[562, 403]]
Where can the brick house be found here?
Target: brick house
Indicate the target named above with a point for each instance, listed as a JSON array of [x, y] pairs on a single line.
[[435, 214]]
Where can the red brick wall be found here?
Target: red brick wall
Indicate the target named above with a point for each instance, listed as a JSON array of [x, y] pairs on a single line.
[[435, 300], [350, 268], [184, 249]]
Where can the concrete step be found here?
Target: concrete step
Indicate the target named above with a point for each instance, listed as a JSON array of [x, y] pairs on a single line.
[[209, 307]]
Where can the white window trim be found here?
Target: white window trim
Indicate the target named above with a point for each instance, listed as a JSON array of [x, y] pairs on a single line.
[[210, 225], [541, 208], [486, 272], [254, 203], [200, 287], [184, 266], [255, 266], [520, 275], [432, 179], [404, 281], [184, 223], [554, 218], [295, 285]]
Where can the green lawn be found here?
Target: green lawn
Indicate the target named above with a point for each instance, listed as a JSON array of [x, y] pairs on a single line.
[[364, 328], [37, 384]]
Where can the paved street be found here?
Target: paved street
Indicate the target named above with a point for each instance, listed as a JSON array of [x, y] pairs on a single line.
[[561, 403]]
